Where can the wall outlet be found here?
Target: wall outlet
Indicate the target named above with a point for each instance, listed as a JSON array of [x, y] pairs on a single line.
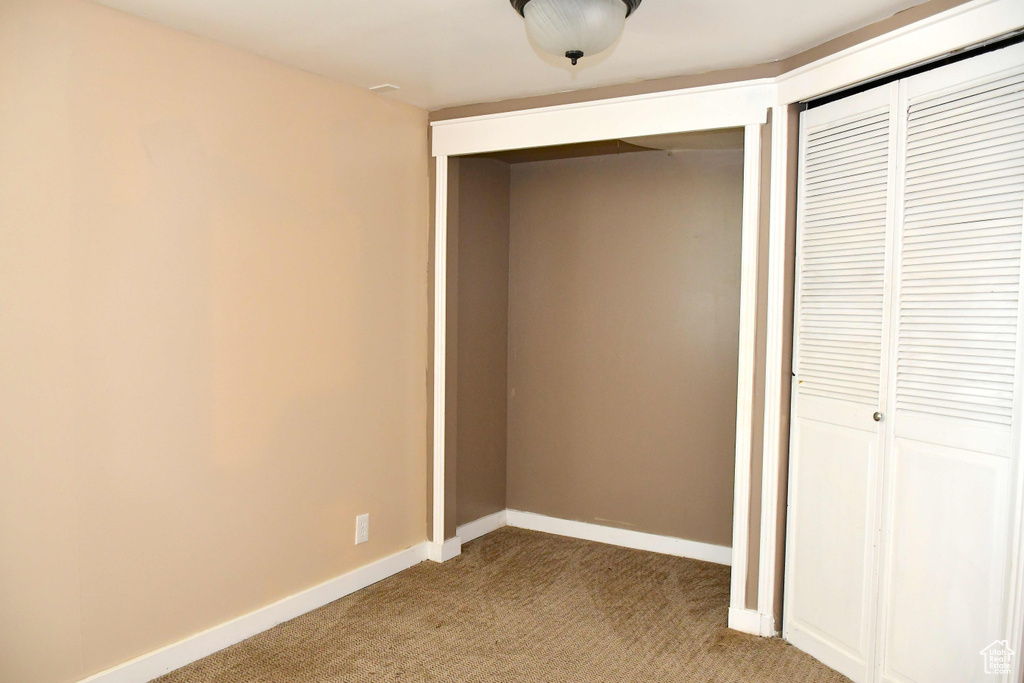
[[362, 529]]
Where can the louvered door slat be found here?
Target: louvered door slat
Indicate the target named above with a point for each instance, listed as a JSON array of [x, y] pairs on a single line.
[[842, 245], [856, 144], [961, 252], [956, 100], [965, 188], [974, 144], [847, 179], [983, 134], [850, 199], [998, 105], [966, 106], [1003, 167], [854, 127]]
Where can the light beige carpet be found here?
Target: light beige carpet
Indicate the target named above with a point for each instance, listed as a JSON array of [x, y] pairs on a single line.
[[522, 606]]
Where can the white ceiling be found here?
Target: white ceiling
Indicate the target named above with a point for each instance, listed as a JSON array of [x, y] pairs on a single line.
[[447, 52]]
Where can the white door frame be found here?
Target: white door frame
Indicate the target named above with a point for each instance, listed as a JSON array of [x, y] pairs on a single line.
[[733, 105], [719, 106]]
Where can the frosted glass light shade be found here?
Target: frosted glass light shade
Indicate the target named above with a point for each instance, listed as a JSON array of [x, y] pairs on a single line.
[[567, 27]]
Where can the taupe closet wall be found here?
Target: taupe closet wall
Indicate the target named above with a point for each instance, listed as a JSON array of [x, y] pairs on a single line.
[[622, 299], [482, 335], [623, 331]]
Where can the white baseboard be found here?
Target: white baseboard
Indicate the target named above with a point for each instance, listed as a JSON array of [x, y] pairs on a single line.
[[177, 655], [442, 552], [667, 545], [753, 622], [482, 526], [745, 620], [768, 629]]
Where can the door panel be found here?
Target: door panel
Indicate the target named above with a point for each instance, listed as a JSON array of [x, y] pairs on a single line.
[[845, 212], [948, 550], [829, 598], [954, 442]]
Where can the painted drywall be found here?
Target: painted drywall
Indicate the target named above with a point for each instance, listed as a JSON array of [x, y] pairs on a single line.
[[623, 337], [483, 234], [213, 290]]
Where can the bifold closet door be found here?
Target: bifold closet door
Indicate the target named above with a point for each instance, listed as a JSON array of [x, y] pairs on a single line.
[[845, 213], [953, 451], [906, 477]]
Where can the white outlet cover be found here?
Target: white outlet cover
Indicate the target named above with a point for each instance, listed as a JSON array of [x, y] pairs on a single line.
[[362, 528]]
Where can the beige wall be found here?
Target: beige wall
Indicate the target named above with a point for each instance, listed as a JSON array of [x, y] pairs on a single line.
[[213, 290], [483, 233], [623, 334]]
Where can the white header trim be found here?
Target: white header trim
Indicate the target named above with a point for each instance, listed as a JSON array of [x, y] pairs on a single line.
[[729, 105], [440, 345], [746, 363]]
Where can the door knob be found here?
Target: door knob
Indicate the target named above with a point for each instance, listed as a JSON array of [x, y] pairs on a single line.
[[877, 417]]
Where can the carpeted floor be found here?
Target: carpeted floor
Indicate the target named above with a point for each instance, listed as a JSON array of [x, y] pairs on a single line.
[[522, 606]]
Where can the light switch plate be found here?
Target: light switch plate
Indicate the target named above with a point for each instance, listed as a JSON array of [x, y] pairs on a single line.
[[362, 528]]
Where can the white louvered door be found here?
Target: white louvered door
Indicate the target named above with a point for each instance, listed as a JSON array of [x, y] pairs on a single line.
[[953, 447], [901, 562], [846, 183]]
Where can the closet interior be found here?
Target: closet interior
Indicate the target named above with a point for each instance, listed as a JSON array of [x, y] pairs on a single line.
[[593, 316]]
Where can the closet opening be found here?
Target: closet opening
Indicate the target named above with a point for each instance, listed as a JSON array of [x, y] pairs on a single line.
[[593, 339]]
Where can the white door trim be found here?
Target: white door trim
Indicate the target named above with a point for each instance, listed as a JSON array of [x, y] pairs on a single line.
[[774, 385], [746, 365], [754, 116], [440, 350], [728, 105]]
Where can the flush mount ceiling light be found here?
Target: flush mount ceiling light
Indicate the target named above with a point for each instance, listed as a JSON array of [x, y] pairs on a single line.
[[575, 28]]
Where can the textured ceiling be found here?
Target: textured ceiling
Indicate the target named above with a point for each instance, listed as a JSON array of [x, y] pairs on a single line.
[[448, 52]]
